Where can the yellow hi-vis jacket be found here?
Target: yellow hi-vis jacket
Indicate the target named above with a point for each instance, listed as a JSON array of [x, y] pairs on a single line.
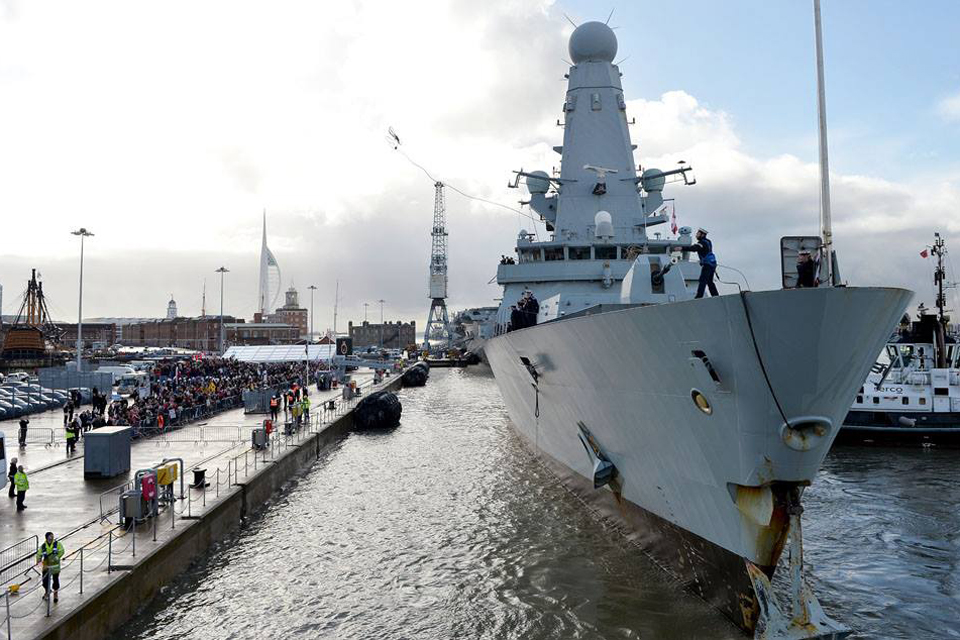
[[20, 481], [50, 555]]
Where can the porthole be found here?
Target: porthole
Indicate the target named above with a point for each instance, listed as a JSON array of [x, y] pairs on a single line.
[[701, 402]]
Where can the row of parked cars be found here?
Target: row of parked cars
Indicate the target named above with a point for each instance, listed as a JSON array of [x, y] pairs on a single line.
[[21, 394]]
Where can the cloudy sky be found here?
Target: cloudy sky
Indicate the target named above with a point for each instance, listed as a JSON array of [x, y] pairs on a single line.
[[167, 129]]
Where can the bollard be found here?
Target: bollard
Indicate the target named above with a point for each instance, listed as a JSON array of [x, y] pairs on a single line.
[[81, 570], [110, 551]]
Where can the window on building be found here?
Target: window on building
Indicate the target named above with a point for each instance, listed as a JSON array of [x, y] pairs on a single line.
[[605, 253], [553, 253], [578, 253]]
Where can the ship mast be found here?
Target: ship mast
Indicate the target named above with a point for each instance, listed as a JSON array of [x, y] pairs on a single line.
[[938, 277], [826, 226]]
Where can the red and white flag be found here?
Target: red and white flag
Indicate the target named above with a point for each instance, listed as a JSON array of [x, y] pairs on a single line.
[[673, 220], [924, 253]]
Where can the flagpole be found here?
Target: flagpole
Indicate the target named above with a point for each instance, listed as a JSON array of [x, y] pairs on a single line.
[[826, 226]]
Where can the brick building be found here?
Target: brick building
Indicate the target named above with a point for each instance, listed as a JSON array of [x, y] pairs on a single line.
[[395, 335], [95, 334], [254, 333], [290, 313]]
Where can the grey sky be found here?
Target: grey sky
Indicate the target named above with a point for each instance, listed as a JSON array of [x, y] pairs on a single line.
[[167, 129]]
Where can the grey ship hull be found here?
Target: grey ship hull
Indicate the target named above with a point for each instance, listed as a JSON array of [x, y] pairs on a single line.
[[702, 494]]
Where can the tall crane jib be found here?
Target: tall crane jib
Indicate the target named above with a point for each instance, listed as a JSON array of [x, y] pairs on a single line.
[[438, 324]]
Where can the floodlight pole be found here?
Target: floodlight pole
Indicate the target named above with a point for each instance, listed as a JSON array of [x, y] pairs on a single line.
[[381, 323], [83, 233], [312, 289], [221, 271]]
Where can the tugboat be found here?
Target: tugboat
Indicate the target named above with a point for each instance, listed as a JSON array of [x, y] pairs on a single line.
[[913, 397], [693, 424]]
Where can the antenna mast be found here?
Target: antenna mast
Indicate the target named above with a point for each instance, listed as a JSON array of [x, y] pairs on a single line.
[[438, 324], [826, 226]]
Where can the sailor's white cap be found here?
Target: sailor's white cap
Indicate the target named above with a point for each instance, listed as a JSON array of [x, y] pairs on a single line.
[[702, 230]]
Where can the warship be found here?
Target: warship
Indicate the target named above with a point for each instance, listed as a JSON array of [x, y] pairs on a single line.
[[692, 424]]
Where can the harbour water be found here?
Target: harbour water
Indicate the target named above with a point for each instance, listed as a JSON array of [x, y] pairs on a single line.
[[447, 527]]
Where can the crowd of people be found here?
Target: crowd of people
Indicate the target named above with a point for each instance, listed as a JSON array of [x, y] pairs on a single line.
[[181, 390]]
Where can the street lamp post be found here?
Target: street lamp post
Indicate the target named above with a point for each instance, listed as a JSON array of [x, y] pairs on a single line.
[[381, 323], [312, 289], [83, 233], [221, 271], [365, 305]]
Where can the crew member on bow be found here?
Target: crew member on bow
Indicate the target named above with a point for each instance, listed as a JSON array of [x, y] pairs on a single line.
[[708, 263]]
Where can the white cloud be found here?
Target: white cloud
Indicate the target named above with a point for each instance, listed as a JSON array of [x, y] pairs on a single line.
[[167, 129], [949, 108]]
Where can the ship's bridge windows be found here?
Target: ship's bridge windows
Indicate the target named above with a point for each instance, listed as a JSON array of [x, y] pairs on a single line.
[[531, 254], [578, 253], [605, 253], [906, 355], [905, 400], [553, 253]]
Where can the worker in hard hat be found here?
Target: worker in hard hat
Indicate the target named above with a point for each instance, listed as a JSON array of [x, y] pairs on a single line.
[[49, 555], [708, 263]]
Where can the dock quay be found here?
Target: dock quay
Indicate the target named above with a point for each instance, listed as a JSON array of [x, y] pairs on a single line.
[[112, 569]]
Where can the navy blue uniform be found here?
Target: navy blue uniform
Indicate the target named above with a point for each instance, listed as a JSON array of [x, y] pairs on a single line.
[[708, 266]]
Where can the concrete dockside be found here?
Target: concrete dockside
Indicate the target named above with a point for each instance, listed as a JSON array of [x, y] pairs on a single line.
[[147, 557]]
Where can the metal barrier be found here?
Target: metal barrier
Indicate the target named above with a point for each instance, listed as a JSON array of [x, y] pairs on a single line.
[[35, 435], [18, 557]]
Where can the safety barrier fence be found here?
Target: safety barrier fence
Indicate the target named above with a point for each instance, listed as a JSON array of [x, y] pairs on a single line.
[[35, 435], [116, 549], [13, 559]]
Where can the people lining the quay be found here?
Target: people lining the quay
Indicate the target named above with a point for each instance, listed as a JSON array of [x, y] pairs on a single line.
[[179, 388]]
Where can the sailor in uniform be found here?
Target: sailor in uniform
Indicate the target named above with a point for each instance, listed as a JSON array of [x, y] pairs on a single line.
[[708, 263], [806, 270]]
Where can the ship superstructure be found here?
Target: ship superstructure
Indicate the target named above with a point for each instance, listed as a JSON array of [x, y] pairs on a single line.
[[695, 423]]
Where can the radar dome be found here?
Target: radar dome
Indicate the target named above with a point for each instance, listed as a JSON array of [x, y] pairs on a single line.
[[652, 180], [603, 224], [538, 182], [593, 42]]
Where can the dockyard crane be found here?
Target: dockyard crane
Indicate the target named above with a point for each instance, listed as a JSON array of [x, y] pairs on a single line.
[[438, 324]]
